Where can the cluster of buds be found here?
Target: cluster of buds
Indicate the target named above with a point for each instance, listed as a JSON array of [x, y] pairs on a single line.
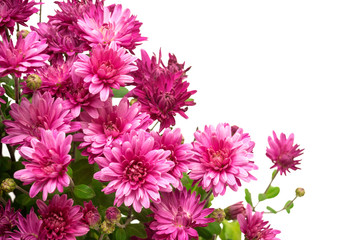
[[113, 216]]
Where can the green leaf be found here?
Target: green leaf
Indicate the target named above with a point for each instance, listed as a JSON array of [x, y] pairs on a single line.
[[5, 164], [274, 173], [137, 230], [7, 80], [83, 191], [204, 233], [143, 215], [231, 230], [288, 206], [69, 171], [189, 100], [248, 197], [82, 171], [25, 200], [120, 93], [271, 209], [261, 197], [9, 91], [272, 192], [120, 234], [214, 228]]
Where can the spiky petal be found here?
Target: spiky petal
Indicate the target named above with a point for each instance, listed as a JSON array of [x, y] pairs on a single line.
[[8, 217], [29, 227]]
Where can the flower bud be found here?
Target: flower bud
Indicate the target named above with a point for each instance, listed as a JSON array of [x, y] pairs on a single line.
[[218, 214], [33, 82], [133, 100], [91, 216], [113, 214], [23, 33], [300, 192], [8, 185], [235, 209], [107, 227]]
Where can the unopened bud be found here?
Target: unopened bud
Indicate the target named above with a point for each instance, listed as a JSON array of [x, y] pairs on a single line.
[[300, 192], [33, 82], [133, 100], [218, 214], [107, 227], [113, 214], [91, 216], [235, 209], [22, 33], [8, 185]]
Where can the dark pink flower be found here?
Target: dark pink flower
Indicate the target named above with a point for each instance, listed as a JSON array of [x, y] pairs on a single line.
[[8, 217], [44, 112], [25, 57], [136, 171], [91, 216], [221, 159], [254, 228], [235, 209], [107, 67], [180, 152], [2, 92], [61, 220], [112, 123], [178, 213], [48, 161], [29, 227], [111, 24], [282, 153]]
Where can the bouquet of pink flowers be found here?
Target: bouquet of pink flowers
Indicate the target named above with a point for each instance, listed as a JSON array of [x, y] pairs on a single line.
[[80, 166]]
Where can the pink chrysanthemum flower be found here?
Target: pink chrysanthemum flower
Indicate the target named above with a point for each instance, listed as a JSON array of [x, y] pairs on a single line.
[[221, 159], [178, 213], [106, 68], [162, 92], [113, 122], [282, 153], [180, 152], [111, 24], [8, 217], [29, 227], [44, 112], [48, 161], [136, 171], [25, 57], [61, 220], [15, 11], [254, 228], [2, 92]]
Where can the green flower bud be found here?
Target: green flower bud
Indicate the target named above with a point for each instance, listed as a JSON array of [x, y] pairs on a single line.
[[133, 100], [23, 33], [218, 214], [300, 192], [33, 82], [113, 214], [107, 227], [8, 185]]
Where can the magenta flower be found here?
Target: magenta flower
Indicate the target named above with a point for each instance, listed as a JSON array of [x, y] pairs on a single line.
[[254, 228], [61, 220], [91, 216], [221, 159], [107, 68], [178, 213], [111, 24], [136, 171], [25, 57], [48, 161], [180, 153], [2, 92], [29, 227], [282, 153], [8, 218], [113, 122], [44, 112]]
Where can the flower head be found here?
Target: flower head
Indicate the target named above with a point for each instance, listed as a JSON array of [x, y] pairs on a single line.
[[29, 227], [2, 92], [107, 68], [282, 153], [8, 218], [44, 112], [25, 57], [61, 220], [254, 228], [48, 161], [178, 213], [235, 209], [136, 171], [221, 159], [91, 216]]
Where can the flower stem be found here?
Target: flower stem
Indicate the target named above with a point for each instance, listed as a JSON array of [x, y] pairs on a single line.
[[285, 206], [21, 190], [207, 197], [40, 11], [11, 152], [270, 184], [2, 201], [128, 219], [154, 125]]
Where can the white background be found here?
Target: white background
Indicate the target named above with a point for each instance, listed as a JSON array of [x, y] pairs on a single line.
[[288, 66]]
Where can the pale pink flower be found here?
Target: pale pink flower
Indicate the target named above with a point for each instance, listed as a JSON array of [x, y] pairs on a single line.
[[44, 112], [254, 228], [136, 171], [282, 153], [25, 57], [221, 159], [107, 67], [60, 213], [29, 227], [178, 213], [47, 164]]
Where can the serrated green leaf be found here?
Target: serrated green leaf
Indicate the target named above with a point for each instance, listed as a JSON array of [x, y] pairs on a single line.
[[120, 234], [83, 191], [137, 230], [272, 192], [288, 206], [119, 93], [248, 197], [231, 230], [9, 91], [271, 209]]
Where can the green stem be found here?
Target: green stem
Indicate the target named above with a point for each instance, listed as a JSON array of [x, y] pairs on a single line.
[[154, 125], [40, 11], [22, 190], [207, 197], [285, 206], [128, 219], [7, 34], [3, 201], [17, 96], [11, 152], [270, 184]]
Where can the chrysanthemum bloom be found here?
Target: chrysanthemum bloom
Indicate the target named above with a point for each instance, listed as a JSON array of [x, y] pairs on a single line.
[[61, 220], [48, 161], [254, 228], [136, 171], [44, 112], [221, 159], [25, 57], [111, 24], [15, 11], [282, 153], [235, 209], [29, 227], [113, 122], [106, 68], [180, 153], [2, 92], [8, 218], [178, 213], [91, 216]]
